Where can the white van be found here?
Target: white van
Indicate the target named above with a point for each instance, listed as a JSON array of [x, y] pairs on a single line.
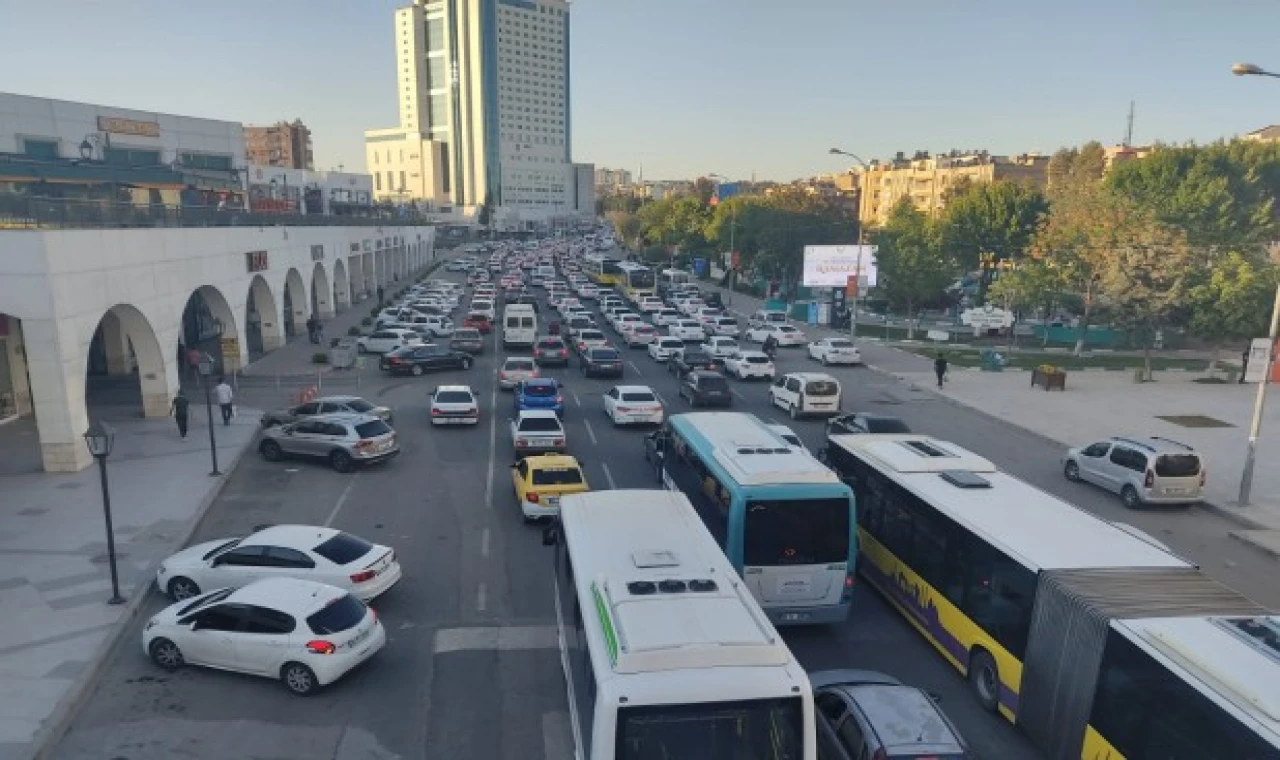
[[519, 325], [805, 393]]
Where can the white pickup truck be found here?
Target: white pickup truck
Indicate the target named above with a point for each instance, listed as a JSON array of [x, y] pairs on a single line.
[[536, 431]]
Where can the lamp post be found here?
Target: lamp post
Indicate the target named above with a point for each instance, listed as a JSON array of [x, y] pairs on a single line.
[[857, 290], [100, 439], [206, 370], [733, 229]]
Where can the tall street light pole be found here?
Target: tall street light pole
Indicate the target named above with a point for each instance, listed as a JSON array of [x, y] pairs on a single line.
[[733, 228], [862, 239], [1260, 400]]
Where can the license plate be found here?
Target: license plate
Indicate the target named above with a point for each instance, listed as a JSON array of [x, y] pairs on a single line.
[[553, 501], [792, 617]]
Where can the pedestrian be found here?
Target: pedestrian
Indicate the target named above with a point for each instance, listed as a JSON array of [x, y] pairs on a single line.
[[179, 409], [193, 359], [311, 329], [940, 368], [1244, 365], [225, 397]]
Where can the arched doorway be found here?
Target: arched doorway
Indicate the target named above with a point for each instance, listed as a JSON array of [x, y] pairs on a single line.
[[341, 287], [321, 293], [295, 303], [209, 325], [263, 331], [125, 370]]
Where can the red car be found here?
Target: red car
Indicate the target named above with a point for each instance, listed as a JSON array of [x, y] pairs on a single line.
[[479, 322]]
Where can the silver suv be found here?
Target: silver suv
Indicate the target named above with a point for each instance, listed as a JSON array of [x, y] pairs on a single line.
[[344, 440], [1143, 470]]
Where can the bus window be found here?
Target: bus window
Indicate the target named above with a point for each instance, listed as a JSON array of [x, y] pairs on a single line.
[[796, 532], [767, 729]]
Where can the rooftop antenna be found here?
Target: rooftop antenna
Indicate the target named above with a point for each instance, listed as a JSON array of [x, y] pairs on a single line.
[[1128, 132]]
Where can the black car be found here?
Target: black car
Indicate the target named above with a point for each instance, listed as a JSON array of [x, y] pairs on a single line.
[[467, 339], [415, 360], [861, 422], [704, 388], [601, 361], [688, 360]]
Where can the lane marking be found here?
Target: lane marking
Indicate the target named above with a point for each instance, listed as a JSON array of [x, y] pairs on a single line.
[[502, 638], [484, 543], [342, 499], [634, 367], [608, 476], [482, 600], [493, 445], [658, 396], [591, 432], [734, 391]]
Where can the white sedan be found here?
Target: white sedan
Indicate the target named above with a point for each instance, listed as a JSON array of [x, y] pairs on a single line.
[[304, 633], [720, 347], [749, 364], [687, 330], [323, 555], [786, 335], [633, 404], [454, 405], [835, 351], [661, 349]]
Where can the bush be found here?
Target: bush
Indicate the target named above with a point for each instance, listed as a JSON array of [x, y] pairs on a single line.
[[366, 322], [353, 331], [320, 357]]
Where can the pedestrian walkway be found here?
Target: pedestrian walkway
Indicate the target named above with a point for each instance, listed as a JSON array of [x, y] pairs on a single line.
[[54, 573]]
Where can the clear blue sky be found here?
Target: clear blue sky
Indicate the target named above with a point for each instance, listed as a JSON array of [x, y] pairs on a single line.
[[690, 87]]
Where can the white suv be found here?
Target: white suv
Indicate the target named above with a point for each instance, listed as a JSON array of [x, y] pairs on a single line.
[[1143, 470]]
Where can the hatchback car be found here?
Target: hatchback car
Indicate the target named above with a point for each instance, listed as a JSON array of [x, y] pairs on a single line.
[[304, 633], [454, 405], [686, 330], [326, 405], [515, 370], [382, 341], [600, 361], [539, 393], [468, 339], [750, 364], [1143, 470], [863, 714], [344, 440], [540, 481], [785, 335], [703, 388], [719, 347], [661, 349], [550, 350], [415, 360], [323, 555]]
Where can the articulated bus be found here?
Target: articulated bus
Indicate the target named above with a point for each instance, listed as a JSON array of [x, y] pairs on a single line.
[[1095, 639], [602, 270], [785, 521], [637, 281], [665, 653]]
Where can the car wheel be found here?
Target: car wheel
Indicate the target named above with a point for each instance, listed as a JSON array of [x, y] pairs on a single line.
[[466, 364], [183, 588], [299, 679], [1129, 497], [1072, 471], [270, 451], [416, 370], [166, 654], [341, 461], [984, 678]]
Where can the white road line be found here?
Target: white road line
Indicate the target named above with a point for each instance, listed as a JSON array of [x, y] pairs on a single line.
[[482, 600], [576, 400], [608, 475], [484, 543], [342, 499], [658, 396], [591, 432], [634, 367], [493, 445], [739, 395], [502, 638]]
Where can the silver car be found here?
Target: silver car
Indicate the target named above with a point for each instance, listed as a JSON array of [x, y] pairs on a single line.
[[515, 370], [1143, 470], [326, 405], [344, 440]]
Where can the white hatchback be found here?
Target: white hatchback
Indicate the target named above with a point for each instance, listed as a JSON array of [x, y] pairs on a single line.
[[749, 364], [661, 349], [687, 330], [633, 405], [785, 335], [720, 347]]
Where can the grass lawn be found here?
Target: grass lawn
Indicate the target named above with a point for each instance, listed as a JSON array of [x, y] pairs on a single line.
[[1030, 360]]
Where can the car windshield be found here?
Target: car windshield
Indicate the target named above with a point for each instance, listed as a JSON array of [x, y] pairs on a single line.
[[467, 335], [372, 429], [553, 345], [557, 476], [540, 425], [606, 354], [821, 388], [360, 405], [635, 396], [454, 397], [757, 729], [342, 614], [539, 389], [343, 548], [712, 383], [886, 425], [838, 343], [592, 335], [1177, 465], [796, 532]]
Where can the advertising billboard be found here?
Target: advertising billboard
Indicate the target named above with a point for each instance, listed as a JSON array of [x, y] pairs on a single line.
[[831, 266]]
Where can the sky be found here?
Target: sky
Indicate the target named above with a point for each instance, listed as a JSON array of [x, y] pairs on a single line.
[[686, 88]]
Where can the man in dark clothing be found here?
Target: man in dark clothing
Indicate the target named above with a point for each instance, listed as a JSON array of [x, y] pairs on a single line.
[[179, 409], [770, 346], [1244, 364], [940, 368]]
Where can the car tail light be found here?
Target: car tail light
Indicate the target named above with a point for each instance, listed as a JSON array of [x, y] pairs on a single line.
[[559, 399], [558, 442], [320, 646], [531, 497], [522, 444], [625, 409], [879, 755], [435, 411], [847, 594], [502, 375], [363, 444], [364, 575], [1149, 480]]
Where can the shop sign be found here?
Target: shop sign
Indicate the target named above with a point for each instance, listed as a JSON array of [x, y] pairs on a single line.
[[128, 127], [256, 261]]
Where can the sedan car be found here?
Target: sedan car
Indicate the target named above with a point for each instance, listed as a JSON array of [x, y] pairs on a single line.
[[687, 330], [479, 321], [835, 351], [601, 361], [537, 430], [540, 481], [539, 393], [325, 405], [719, 347], [661, 349], [550, 350], [454, 405], [633, 405], [861, 422], [323, 555], [468, 339], [589, 338], [639, 334], [382, 341], [515, 370], [785, 335], [416, 360], [861, 713], [344, 440], [304, 633], [749, 364]]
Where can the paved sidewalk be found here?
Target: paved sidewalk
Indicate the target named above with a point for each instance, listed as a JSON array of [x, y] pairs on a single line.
[[54, 576]]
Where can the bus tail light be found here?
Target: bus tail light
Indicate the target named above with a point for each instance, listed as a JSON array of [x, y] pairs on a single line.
[[1149, 480]]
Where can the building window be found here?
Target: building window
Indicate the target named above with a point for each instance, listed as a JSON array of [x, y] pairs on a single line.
[[439, 110], [40, 148], [435, 34], [391, 181], [207, 161], [402, 182], [377, 181], [131, 157], [436, 72]]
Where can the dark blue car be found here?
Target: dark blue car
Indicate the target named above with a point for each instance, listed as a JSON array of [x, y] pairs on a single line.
[[539, 393]]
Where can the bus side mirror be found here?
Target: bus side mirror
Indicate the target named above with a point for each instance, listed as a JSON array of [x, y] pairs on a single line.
[[550, 536]]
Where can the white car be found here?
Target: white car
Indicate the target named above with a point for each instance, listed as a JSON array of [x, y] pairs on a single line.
[[719, 347], [793, 441], [690, 306], [785, 335], [454, 405], [537, 430], [588, 292], [835, 351], [661, 349], [801, 393], [633, 405], [686, 330], [639, 334], [483, 307], [515, 370], [666, 316], [590, 338], [568, 304], [722, 325], [707, 315], [384, 341], [650, 305], [749, 364], [623, 322], [323, 555], [304, 633]]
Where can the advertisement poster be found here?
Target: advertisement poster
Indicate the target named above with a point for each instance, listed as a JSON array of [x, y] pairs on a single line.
[[831, 266]]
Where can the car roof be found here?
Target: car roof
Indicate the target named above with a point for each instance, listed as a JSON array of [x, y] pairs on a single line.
[[634, 389], [551, 413], [700, 373], [904, 718], [539, 461], [293, 595], [1154, 444], [537, 381], [351, 418], [297, 536], [466, 388], [753, 353], [338, 398], [807, 376]]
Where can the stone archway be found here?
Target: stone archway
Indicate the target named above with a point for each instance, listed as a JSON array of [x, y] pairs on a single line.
[[207, 319], [296, 303], [341, 286], [263, 329], [123, 347], [322, 301]]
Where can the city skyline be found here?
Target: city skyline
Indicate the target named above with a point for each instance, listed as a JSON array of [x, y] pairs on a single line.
[[690, 98]]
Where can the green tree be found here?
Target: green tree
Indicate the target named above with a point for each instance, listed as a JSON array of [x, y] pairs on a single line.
[[1073, 168], [913, 265], [1232, 302], [1000, 218], [1034, 285]]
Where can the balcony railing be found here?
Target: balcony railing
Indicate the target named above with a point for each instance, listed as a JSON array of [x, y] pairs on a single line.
[[28, 212]]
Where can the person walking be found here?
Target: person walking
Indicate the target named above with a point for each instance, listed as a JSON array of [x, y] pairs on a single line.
[[311, 329], [225, 397], [193, 360], [179, 408], [1244, 365], [940, 368]]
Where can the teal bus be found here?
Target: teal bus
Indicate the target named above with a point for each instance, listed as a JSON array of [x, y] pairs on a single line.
[[784, 520]]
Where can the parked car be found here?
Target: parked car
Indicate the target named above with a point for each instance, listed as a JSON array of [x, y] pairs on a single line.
[[749, 364], [537, 430], [1142, 469], [861, 423], [467, 339], [382, 341], [344, 440], [804, 393], [539, 393], [312, 553], [541, 480], [304, 633], [864, 714], [701, 387], [326, 405], [660, 350], [454, 405], [600, 361], [415, 360], [516, 369], [633, 405], [550, 350], [835, 351]]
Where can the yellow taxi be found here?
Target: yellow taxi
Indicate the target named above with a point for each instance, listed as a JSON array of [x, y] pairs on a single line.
[[541, 480]]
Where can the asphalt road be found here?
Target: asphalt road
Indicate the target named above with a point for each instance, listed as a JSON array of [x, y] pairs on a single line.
[[470, 669]]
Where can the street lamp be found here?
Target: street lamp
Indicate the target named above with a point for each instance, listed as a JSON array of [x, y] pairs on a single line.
[[100, 439], [857, 281], [733, 229], [206, 370], [1249, 69]]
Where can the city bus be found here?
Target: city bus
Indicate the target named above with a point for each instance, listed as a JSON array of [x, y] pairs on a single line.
[[669, 279], [636, 281], [665, 652], [602, 270], [1095, 639], [784, 520]]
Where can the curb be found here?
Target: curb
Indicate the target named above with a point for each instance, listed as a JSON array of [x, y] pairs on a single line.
[[1233, 515], [55, 725], [1267, 550]]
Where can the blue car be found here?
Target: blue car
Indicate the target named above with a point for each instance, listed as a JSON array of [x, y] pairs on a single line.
[[539, 393]]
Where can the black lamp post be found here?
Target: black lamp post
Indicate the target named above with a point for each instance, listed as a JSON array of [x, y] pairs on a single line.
[[100, 439], [206, 369]]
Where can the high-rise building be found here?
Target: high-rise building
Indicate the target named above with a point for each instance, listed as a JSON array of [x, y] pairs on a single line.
[[282, 144], [483, 94]]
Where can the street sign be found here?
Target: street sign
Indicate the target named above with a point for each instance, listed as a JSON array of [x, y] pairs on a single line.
[[230, 350], [851, 286], [941, 335], [700, 267]]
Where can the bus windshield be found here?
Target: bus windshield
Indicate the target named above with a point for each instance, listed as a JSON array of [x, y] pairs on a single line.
[[762, 729], [796, 532], [642, 278]]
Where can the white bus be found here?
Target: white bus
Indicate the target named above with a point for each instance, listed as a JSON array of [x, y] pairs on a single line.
[[665, 652]]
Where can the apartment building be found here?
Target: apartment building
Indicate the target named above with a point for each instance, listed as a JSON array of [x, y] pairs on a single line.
[[927, 179], [284, 144]]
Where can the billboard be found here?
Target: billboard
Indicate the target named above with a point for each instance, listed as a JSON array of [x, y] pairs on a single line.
[[831, 266]]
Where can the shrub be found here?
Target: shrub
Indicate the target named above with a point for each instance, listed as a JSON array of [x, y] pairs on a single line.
[[320, 357], [353, 331]]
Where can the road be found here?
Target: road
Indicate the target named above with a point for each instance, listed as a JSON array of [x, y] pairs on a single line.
[[471, 670]]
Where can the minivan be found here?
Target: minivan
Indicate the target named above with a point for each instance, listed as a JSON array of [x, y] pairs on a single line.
[[519, 325], [804, 393], [1143, 470]]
